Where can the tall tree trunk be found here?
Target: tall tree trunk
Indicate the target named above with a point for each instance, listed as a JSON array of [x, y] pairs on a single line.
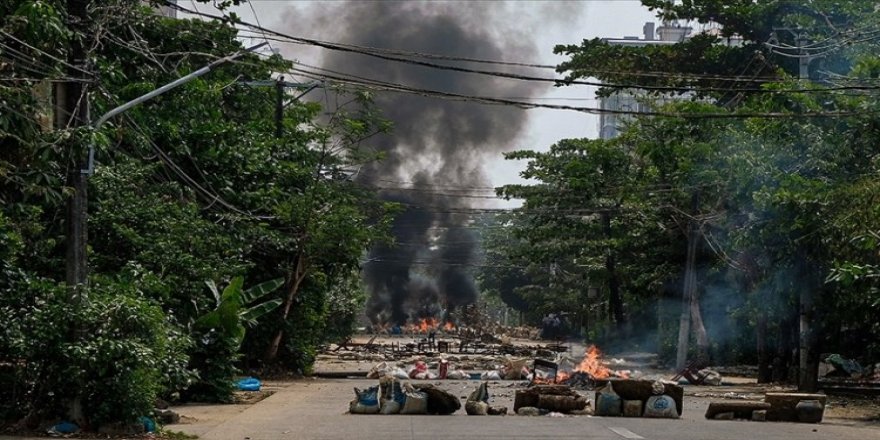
[[764, 371], [783, 351], [689, 288], [698, 328], [296, 279], [808, 356]]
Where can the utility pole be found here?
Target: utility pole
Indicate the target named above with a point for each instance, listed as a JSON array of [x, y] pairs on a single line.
[[281, 87], [77, 243], [808, 366], [808, 362], [279, 107], [689, 286], [71, 111]]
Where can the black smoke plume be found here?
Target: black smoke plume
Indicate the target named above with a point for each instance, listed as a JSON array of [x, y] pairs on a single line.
[[437, 146]]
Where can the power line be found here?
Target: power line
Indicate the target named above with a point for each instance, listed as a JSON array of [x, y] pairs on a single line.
[[367, 51], [390, 87], [63, 62]]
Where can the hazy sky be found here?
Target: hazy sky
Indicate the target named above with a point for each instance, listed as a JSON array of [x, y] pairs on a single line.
[[546, 22]]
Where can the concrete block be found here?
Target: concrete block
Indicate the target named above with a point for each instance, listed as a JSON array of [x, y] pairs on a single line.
[[724, 416], [632, 408], [740, 409], [783, 406]]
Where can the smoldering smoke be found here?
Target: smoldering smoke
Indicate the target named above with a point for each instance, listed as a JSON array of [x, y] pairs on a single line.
[[437, 147]]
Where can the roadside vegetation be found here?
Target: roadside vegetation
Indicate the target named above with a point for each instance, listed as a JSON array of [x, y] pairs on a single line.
[[740, 222], [752, 193]]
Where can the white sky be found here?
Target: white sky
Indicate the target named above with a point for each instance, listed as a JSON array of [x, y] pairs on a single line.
[[598, 18]]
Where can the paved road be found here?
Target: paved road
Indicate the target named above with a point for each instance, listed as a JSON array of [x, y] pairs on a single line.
[[316, 410]]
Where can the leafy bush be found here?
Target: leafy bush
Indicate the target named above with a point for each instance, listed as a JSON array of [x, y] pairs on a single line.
[[219, 333], [112, 355]]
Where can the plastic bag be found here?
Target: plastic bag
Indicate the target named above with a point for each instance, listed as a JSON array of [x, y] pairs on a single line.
[[63, 428], [661, 407], [420, 368], [249, 384], [608, 403], [457, 375], [491, 375]]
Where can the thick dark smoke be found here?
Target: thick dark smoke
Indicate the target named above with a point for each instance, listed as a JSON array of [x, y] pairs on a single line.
[[436, 146]]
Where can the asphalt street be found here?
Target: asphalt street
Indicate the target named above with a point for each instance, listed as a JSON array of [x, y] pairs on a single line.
[[317, 410]]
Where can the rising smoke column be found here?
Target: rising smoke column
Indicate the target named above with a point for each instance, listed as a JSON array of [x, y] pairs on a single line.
[[435, 144]]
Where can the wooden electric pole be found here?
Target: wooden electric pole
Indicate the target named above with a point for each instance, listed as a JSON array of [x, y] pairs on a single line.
[[281, 87], [689, 286], [72, 111]]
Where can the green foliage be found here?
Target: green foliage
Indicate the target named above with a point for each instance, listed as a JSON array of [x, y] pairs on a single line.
[[116, 354], [235, 307], [219, 333], [783, 205], [190, 186]]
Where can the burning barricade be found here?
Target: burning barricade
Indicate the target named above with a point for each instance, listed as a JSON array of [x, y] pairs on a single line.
[[579, 374]]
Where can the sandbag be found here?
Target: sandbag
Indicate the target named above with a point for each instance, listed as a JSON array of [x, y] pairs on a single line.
[[399, 373], [661, 406], [386, 388], [513, 368], [491, 375], [457, 375], [416, 401], [389, 407], [391, 396], [476, 408], [365, 402], [379, 370], [608, 403], [710, 377]]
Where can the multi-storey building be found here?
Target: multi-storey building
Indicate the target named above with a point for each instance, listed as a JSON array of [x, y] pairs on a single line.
[[631, 100]]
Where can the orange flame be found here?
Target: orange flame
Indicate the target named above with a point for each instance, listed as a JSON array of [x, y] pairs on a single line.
[[449, 326], [592, 365], [423, 326]]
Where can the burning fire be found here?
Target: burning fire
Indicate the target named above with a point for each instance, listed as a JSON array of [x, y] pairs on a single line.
[[426, 325], [593, 366]]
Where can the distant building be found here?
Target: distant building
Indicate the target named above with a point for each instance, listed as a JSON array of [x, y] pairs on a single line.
[[630, 100], [627, 100]]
